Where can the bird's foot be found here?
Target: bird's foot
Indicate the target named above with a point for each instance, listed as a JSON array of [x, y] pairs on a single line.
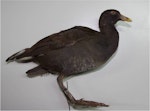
[[86, 103]]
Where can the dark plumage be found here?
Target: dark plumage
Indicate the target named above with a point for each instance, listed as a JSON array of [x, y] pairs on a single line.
[[73, 51]]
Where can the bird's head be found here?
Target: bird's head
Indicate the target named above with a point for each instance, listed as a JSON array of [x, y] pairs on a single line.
[[112, 16]]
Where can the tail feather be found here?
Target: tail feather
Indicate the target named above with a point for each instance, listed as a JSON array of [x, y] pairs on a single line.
[[19, 55]]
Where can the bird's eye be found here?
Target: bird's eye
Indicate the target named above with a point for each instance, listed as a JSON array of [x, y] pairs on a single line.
[[113, 12]]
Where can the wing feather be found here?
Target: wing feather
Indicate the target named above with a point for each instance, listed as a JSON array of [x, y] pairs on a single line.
[[62, 39]]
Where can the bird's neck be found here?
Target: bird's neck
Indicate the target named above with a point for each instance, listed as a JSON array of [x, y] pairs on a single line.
[[111, 35], [107, 28]]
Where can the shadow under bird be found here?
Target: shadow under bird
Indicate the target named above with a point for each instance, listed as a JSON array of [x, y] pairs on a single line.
[[73, 51]]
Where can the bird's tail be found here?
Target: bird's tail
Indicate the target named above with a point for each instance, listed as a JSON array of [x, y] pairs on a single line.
[[20, 56]]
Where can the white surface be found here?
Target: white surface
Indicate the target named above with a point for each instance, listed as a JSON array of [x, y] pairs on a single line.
[[122, 83]]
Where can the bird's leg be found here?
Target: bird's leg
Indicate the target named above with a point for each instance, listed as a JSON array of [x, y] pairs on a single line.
[[68, 95], [72, 100]]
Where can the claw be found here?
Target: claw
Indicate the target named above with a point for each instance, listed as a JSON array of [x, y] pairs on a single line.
[[82, 102]]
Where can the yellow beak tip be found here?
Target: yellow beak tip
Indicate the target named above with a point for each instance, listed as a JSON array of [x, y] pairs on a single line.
[[128, 20], [124, 18]]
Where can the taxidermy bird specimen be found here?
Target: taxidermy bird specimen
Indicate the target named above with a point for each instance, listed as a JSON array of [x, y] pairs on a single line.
[[73, 51]]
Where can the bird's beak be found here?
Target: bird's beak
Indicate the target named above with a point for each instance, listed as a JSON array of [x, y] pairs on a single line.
[[124, 18]]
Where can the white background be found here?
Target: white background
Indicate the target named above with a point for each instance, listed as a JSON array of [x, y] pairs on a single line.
[[122, 83]]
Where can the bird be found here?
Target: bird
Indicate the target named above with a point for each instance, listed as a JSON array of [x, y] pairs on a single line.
[[74, 51]]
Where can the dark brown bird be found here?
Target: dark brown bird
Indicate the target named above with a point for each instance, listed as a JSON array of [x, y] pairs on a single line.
[[74, 51]]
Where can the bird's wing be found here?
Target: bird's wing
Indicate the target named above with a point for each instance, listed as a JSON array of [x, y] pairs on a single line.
[[62, 39]]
